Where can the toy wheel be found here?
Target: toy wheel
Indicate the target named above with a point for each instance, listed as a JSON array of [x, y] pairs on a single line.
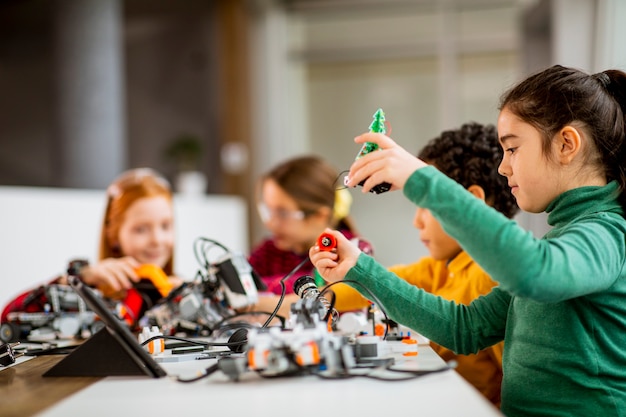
[[9, 332], [96, 327]]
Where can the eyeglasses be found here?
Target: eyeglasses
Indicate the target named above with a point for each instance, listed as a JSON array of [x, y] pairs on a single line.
[[268, 214]]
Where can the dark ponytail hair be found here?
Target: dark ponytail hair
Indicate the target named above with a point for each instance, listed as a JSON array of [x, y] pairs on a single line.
[[561, 96]]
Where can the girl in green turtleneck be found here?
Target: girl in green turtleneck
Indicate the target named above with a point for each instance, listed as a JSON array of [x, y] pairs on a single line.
[[561, 304]]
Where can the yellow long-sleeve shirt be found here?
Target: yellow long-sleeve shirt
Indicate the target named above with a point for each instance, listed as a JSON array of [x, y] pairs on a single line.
[[461, 280]]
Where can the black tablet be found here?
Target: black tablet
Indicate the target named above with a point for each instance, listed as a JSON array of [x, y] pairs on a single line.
[[112, 351]]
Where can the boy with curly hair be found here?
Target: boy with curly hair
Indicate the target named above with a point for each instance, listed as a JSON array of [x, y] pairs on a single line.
[[470, 155]]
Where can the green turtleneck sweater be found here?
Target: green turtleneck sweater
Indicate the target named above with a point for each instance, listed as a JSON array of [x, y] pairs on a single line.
[[560, 307]]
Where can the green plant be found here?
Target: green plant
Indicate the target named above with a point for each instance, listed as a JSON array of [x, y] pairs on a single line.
[[186, 151]]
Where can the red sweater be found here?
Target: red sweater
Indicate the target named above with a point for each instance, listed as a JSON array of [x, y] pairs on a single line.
[[273, 264]]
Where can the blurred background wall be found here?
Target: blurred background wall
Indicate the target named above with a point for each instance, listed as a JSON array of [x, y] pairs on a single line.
[[89, 88]]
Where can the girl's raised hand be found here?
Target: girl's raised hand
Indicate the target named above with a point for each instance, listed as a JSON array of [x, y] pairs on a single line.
[[391, 164], [334, 265], [111, 275]]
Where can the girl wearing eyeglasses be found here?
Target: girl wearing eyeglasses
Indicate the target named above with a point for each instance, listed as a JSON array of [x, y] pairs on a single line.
[[297, 200]]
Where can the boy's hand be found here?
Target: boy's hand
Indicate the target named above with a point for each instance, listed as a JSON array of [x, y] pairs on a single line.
[[334, 265], [391, 164]]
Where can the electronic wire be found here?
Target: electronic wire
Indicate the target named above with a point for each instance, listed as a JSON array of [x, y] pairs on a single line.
[[191, 341], [225, 325], [207, 372], [372, 374], [284, 290]]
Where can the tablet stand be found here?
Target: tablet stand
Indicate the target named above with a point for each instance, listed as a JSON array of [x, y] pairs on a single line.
[[103, 354]]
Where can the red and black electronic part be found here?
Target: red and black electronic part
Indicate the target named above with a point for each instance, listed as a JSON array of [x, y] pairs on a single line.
[[326, 242], [7, 354]]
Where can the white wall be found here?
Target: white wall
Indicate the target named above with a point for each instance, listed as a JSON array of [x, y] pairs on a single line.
[[41, 229], [429, 68]]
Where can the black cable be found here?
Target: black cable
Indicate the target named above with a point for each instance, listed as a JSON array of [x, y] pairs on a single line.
[[346, 375], [284, 290], [175, 292], [206, 246], [331, 307], [227, 327], [207, 371], [57, 350], [191, 341], [342, 184], [224, 322], [412, 374], [420, 372]]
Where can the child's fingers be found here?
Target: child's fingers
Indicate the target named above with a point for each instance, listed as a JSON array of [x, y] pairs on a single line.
[[326, 263], [361, 169], [316, 255], [380, 139], [369, 171]]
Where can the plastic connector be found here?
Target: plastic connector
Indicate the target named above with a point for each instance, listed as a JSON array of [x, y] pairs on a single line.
[[153, 346], [326, 242]]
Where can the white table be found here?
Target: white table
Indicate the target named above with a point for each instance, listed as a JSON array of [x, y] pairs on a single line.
[[439, 394]]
